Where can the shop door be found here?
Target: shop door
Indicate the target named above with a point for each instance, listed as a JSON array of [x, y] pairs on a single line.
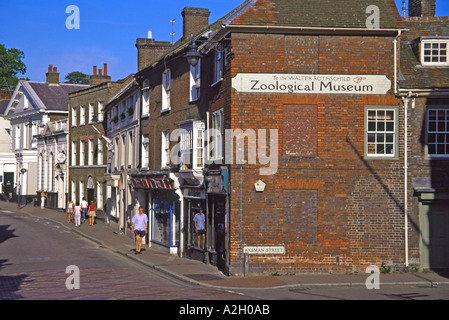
[[434, 244], [8, 184]]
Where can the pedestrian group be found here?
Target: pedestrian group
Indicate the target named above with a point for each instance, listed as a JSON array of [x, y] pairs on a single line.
[[77, 212]]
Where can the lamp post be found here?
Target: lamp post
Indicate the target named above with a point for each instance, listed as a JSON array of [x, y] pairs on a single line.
[[19, 197]]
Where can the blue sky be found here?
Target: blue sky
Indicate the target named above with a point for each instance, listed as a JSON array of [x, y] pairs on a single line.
[[107, 33]]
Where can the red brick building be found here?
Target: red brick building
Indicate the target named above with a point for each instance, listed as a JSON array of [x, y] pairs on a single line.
[[299, 123], [322, 79]]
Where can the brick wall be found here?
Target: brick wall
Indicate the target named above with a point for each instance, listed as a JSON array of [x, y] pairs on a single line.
[[354, 206]]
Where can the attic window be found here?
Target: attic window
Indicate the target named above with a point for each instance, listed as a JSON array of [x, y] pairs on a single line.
[[434, 52]]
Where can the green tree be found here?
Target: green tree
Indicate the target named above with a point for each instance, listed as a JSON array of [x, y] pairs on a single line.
[[77, 77], [11, 65]]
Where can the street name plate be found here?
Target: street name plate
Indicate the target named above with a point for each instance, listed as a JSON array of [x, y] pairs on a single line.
[[264, 250]]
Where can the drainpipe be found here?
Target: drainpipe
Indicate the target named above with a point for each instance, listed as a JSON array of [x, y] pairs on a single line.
[[406, 101], [395, 47]]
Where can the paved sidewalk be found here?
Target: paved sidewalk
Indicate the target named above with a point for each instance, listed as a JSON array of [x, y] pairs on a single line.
[[196, 272]]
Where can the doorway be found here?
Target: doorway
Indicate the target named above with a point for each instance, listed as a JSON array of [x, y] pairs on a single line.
[[434, 235]]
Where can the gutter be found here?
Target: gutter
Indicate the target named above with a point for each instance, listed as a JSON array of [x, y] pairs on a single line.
[[283, 29]]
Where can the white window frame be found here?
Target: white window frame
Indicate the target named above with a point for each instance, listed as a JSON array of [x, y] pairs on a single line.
[[82, 115], [437, 132], [216, 138], [99, 199], [381, 131], [100, 111], [165, 148], [166, 90], [81, 163], [99, 151], [145, 151], [192, 146], [195, 81], [146, 98], [74, 117], [435, 50], [73, 193], [90, 152], [91, 113], [73, 160], [80, 191], [16, 137]]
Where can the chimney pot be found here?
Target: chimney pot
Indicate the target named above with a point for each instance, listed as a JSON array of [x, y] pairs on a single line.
[[99, 72], [95, 70], [52, 75], [105, 69]]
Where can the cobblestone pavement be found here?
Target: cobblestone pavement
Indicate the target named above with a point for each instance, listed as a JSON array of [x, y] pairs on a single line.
[[102, 284]]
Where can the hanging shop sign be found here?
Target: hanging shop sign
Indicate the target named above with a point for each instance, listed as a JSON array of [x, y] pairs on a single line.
[[311, 83]]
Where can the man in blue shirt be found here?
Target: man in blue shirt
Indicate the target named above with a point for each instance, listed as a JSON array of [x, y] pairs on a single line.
[[199, 221], [140, 228]]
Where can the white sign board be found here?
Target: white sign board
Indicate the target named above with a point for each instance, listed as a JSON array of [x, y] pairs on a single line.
[[311, 83], [264, 250]]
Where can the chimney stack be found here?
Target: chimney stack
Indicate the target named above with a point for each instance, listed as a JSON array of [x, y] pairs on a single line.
[[52, 75], [100, 77], [148, 49], [421, 8], [194, 19]]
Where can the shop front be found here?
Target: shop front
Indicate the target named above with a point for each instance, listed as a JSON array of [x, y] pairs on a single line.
[[217, 217], [162, 205]]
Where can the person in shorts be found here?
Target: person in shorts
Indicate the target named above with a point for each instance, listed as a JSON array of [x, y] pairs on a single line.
[[70, 210], [140, 228], [199, 221]]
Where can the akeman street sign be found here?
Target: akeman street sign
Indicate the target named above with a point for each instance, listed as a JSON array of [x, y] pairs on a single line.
[[311, 83]]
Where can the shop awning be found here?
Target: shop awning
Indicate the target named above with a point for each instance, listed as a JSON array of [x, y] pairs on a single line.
[[151, 183]]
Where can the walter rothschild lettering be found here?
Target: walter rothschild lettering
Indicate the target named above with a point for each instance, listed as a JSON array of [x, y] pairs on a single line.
[[312, 84]]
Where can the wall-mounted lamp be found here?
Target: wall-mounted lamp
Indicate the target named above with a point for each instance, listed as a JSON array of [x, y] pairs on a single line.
[[192, 55]]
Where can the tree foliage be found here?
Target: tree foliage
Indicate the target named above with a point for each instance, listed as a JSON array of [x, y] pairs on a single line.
[[11, 65], [77, 77]]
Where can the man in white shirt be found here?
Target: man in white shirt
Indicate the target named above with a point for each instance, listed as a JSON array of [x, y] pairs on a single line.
[[140, 228], [84, 206]]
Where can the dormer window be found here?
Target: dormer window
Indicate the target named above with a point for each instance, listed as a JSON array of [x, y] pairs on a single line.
[[434, 52]]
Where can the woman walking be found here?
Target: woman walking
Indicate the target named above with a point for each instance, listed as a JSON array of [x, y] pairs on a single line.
[[92, 213], [70, 210], [77, 215]]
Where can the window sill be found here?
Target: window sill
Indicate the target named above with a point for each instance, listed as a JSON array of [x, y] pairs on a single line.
[[216, 82]]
